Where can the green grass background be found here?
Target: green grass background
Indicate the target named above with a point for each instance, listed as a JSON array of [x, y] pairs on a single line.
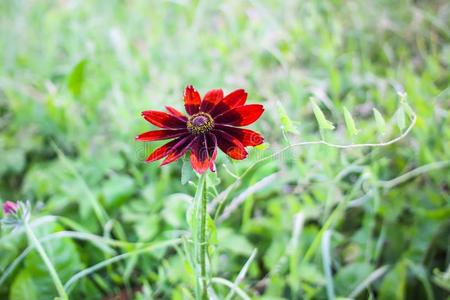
[[75, 76]]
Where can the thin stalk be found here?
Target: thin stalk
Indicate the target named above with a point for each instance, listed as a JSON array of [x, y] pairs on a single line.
[[203, 241], [54, 275]]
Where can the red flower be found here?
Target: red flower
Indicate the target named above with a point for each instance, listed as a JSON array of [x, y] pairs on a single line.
[[10, 207], [212, 122]]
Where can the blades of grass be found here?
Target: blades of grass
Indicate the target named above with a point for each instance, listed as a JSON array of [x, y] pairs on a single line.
[[220, 200], [389, 184], [421, 273], [294, 252], [326, 259], [242, 273], [249, 191], [232, 286], [98, 241], [368, 281], [155, 246]]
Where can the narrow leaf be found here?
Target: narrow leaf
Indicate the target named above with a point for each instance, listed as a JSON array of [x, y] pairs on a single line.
[[320, 117], [350, 123], [404, 103], [381, 124], [286, 122], [400, 118], [76, 78]]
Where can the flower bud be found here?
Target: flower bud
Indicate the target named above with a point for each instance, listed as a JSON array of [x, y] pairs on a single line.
[[10, 207]]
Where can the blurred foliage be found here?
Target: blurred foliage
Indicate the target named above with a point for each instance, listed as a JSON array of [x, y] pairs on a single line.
[[75, 76]]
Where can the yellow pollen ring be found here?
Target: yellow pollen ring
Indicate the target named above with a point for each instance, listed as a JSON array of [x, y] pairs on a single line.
[[200, 123]]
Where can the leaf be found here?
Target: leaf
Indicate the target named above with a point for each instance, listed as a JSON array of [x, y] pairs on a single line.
[[76, 78], [400, 118], [350, 123], [286, 122], [320, 117], [23, 287], [393, 285], [381, 124], [404, 103]]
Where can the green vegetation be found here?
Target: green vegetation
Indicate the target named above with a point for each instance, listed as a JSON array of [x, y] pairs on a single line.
[[326, 222]]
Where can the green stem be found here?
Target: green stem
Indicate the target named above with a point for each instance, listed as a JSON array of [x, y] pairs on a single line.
[[203, 242], [56, 280]]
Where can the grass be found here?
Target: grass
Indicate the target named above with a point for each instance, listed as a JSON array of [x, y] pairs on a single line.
[[356, 222]]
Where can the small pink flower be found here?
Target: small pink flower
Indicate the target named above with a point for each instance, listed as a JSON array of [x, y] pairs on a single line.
[[10, 207]]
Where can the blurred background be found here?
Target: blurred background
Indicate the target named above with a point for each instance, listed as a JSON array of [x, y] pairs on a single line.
[[365, 223]]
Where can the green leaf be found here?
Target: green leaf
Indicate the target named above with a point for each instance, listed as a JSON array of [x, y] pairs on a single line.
[[400, 118], [404, 103], [320, 117], [76, 78], [23, 287], [286, 122], [381, 124], [350, 123], [393, 285]]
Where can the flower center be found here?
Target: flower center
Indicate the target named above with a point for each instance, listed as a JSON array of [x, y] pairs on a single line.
[[200, 123]]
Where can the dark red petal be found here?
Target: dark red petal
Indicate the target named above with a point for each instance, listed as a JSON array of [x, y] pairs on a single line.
[[230, 145], [241, 116], [211, 142], [246, 136], [178, 150], [157, 135], [199, 155], [163, 120], [211, 99], [232, 100], [176, 113], [191, 100], [164, 149]]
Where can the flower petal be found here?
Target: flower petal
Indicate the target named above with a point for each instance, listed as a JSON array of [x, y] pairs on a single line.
[[178, 150], [164, 149], [232, 100], [211, 142], [191, 100], [174, 112], [241, 116], [157, 135], [199, 155], [163, 120], [210, 100], [246, 136], [230, 145]]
